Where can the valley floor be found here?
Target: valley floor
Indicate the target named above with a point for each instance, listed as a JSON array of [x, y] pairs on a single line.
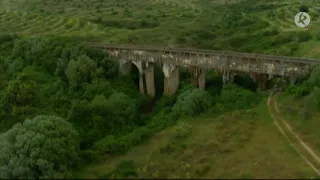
[[241, 144]]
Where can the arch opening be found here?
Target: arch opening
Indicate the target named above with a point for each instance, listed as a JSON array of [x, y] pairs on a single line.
[[245, 81], [131, 70], [213, 82]]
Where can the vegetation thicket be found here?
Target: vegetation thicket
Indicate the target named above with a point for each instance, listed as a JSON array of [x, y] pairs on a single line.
[[64, 108], [54, 80]]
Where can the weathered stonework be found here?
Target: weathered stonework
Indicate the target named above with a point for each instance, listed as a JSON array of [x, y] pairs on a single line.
[[171, 78], [198, 77], [260, 67]]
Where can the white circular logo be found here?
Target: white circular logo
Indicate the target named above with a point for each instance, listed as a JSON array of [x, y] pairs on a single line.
[[302, 19]]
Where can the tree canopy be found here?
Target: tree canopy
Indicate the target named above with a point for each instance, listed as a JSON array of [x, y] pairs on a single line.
[[43, 147]]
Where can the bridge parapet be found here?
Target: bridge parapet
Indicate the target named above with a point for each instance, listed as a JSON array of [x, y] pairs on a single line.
[[209, 59], [217, 61], [255, 64]]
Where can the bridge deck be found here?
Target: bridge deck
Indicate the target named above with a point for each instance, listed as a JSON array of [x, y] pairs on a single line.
[[204, 52]]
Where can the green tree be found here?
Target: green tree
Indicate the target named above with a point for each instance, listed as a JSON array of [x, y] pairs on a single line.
[[39, 51], [102, 116], [123, 107], [234, 97], [80, 71], [193, 102], [19, 93], [110, 69], [42, 147]]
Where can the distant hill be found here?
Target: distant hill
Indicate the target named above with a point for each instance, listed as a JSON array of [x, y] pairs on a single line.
[[249, 26]]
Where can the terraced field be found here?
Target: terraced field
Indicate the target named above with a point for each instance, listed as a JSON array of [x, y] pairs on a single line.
[[238, 25]]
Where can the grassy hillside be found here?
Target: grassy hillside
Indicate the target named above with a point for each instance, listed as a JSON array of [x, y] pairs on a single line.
[[241, 144], [246, 25], [304, 121]]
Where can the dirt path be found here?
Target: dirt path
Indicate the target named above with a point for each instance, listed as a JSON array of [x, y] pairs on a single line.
[[308, 148], [289, 134]]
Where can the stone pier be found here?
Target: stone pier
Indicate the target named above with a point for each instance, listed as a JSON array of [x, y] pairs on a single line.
[[292, 80], [149, 79], [260, 80], [260, 67], [142, 87], [224, 61], [202, 80], [292, 77], [146, 75], [228, 76], [198, 77], [171, 79]]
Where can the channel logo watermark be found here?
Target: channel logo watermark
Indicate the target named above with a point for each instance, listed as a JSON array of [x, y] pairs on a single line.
[[302, 19]]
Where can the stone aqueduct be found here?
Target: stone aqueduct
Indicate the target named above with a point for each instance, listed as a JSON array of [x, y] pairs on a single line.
[[260, 67]]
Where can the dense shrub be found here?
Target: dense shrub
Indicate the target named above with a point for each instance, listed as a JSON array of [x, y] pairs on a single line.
[[193, 102], [42, 147], [39, 51], [83, 70], [300, 90], [102, 116], [234, 97], [164, 101], [115, 145]]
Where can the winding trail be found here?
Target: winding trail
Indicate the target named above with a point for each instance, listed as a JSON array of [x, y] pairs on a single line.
[[306, 152]]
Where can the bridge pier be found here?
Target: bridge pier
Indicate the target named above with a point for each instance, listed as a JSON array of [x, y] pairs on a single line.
[[142, 87], [260, 80], [146, 75], [149, 77], [244, 62], [292, 80], [202, 80], [228, 61], [228, 76], [292, 77], [171, 79], [198, 78]]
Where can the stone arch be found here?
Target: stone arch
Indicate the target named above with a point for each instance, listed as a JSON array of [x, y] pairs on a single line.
[[126, 66], [138, 64], [145, 79], [245, 80]]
